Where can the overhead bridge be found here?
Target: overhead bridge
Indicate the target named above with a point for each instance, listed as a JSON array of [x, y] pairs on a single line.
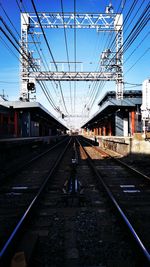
[[73, 76], [70, 20]]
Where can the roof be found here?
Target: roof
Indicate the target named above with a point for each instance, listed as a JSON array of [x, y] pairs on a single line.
[[109, 104], [128, 94], [31, 106]]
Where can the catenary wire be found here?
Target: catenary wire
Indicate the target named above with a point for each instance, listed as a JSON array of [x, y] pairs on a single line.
[[49, 49], [67, 52]]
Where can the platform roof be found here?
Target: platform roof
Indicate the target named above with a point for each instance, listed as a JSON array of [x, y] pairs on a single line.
[[33, 107], [109, 104]]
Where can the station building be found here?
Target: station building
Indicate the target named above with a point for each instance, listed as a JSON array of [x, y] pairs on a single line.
[[116, 117], [27, 119]]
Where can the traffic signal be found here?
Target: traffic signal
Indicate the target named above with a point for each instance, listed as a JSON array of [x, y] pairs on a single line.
[[31, 87]]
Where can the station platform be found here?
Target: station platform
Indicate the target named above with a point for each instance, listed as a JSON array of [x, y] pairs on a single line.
[[7, 142], [123, 145]]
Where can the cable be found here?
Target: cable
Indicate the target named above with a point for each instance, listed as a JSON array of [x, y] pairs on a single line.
[[9, 82], [67, 52], [12, 43], [141, 23], [49, 51], [44, 87], [22, 54], [44, 35], [75, 53], [9, 20], [97, 85], [8, 48], [145, 52], [137, 47], [38, 50], [135, 84]]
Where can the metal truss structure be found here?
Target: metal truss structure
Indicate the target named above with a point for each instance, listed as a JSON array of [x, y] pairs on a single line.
[[112, 66], [73, 76], [71, 20]]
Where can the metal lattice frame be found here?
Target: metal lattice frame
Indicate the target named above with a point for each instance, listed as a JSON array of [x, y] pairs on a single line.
[[24, 94], [73, 76], [119, 56], [100, 22], [70, 20]]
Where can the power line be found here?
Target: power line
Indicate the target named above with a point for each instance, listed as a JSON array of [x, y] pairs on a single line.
[[36, 43], [145, 52], [135, 84], [14, 45], [9, 19], [96, 86], [135, 49], [42, 84], [8, 48], [139, 26], [44, 34], [49, 49], [22, 54], [67, 52], [75, 53], [9, 82]]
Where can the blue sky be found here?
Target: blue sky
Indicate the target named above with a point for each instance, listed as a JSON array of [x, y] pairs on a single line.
[[89, 46]]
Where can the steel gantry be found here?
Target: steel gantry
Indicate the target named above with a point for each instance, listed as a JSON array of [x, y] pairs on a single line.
[[111, 63]]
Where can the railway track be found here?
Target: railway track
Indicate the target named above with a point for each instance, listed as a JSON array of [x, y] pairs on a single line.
[[131, 189], [12, 162], [74, 222], [19, 190]]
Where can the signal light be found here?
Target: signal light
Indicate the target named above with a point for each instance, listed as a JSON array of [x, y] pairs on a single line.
[[31, 87]]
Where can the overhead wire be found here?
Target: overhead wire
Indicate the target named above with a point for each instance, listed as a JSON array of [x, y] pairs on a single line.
[[140, 28], [75, 53], [135, 49], [97, 85], [44, 85], [1, 6], [44, 35], [137, 29], [21, 52], [9, 48], [14, 45], [44, 62], [49, 49], [135, 84], [24, 59], [67, 52], [135, 33], [42, 56], [145, 52]]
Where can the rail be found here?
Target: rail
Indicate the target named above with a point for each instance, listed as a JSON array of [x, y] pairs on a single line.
[[8, 249], [131, 229]]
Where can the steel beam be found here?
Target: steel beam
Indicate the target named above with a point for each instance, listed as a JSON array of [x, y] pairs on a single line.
[[73, 76], [70, 20]]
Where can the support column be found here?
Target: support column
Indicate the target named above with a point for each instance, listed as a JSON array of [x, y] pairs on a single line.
[[109, 129], [100, 131], [104, 130], [132, 122], [9, 125], [1, 124], [16, 124]]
